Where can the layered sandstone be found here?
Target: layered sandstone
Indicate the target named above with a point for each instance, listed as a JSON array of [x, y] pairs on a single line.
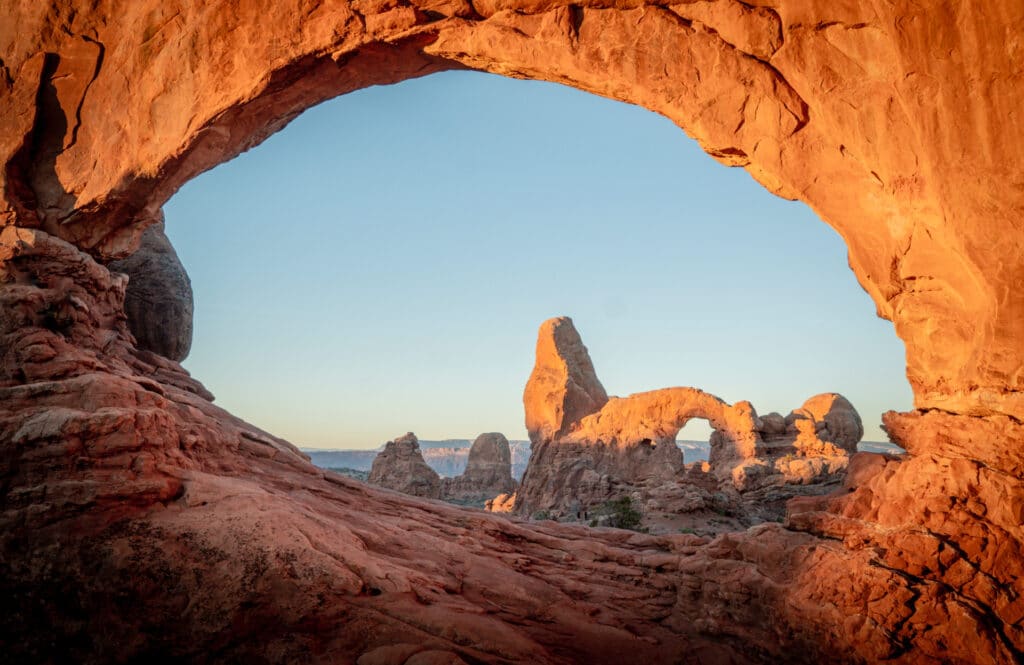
[[138, 521], [400, 467]]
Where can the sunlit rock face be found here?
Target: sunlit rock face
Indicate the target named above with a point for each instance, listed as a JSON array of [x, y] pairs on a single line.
[[809, 445], [563, 386], [138, 521], [825, 423], [503, 503], [400, 467], [627, 447]]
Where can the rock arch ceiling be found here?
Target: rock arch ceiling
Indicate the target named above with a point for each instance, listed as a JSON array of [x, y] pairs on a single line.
[[195, 85], [895, 124]]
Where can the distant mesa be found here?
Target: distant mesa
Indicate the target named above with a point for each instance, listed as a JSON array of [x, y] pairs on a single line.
[[589, 449], [400, 466]]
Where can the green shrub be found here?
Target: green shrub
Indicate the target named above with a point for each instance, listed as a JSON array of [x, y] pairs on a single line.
[[621, 513]]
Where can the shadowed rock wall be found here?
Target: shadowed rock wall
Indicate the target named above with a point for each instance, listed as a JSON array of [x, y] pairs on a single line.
[[158, 301], [400, 467], [488, 472]]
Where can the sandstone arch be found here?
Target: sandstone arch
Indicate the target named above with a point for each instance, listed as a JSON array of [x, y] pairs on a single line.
[[742, 80], [630, 440], [658, 415], [588, 449], [895, 123]]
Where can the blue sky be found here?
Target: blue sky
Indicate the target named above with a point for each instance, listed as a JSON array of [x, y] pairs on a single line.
[[383, 263]]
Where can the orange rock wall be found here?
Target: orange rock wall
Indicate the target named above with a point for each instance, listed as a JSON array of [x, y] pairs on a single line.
[[140, 520], [890, 121]]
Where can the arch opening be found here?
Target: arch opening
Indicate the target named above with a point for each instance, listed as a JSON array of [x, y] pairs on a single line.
[[374, 250], [694, 439]]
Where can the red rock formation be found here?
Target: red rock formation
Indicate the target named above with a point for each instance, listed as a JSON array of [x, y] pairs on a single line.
[[628, 446], [503, 503], [810, 445], [826, 419], [658, 415], [743, 81], [139, 521], [488, 472], [563, 387], [400, 467], [159, 297]]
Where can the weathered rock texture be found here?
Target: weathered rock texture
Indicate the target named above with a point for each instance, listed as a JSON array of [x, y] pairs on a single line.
[[826, 419], [400, 467], [488, 472], [192, 88], [159, 297], [503, 503], [563, 387], [140, 522], [627, 447], [810, 445]]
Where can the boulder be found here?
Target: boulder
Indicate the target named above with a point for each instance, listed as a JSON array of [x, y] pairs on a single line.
[[834, 421], [158, 301]]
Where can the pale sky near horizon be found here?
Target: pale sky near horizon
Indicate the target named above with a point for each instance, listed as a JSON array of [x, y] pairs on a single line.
[[383, 263]]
